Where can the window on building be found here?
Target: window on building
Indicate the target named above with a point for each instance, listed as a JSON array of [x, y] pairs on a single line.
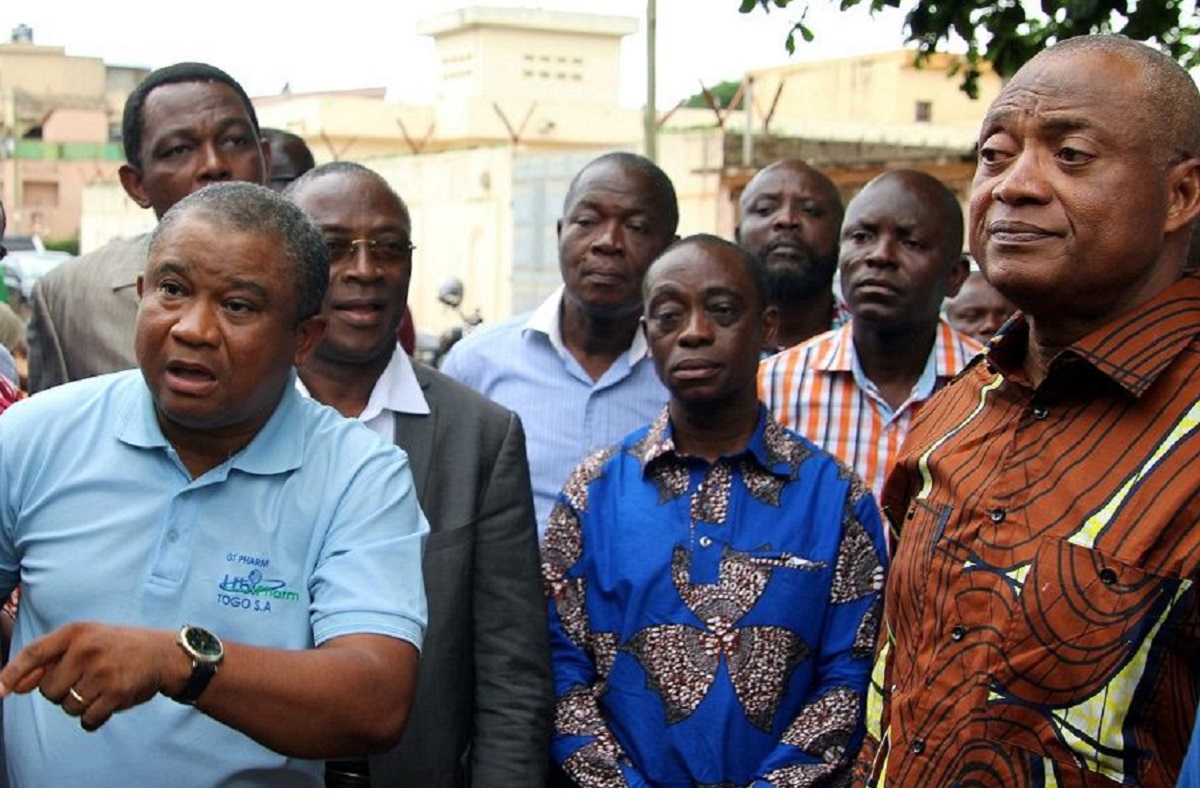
[[924, 111], [41, 194]]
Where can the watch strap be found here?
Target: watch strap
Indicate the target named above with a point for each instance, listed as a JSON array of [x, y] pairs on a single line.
[[197, 682]]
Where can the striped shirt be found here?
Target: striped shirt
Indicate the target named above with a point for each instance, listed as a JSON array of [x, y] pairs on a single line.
[[1042, 613], [819, 390]]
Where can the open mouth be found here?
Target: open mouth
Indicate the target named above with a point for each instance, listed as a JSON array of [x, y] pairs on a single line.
[[189, 378]]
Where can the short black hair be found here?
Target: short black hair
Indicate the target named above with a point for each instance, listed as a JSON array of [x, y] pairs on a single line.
[[186, 72], [751, 263], [250, 208], [660, 184]]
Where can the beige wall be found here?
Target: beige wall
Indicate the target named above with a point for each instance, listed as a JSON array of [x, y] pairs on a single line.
[[884, 88], [539, 123], [109, 214], [519, 64], [461, 208], [74, 125], [51, 194], [344, 126], [528, 54], [48, 72]]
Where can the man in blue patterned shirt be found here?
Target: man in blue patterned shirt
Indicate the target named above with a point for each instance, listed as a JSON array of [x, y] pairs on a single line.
[[714, 580]]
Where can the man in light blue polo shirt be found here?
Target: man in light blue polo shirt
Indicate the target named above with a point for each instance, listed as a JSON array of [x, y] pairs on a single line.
[[204, 492], [577, 370]]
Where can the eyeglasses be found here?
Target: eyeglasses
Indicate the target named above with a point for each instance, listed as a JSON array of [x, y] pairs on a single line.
[[385, 251]]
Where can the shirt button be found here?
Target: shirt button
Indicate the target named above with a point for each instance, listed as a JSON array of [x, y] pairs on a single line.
[[917, 746], [958, 633], [172, 536], [1040, 412], [997, 515], [705, 541], [1108, 577]]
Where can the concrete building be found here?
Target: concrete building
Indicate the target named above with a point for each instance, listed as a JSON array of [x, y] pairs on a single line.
[[59, 132]]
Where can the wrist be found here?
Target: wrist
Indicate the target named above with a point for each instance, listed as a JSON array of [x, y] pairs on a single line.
[[177, 666], [203, 653]]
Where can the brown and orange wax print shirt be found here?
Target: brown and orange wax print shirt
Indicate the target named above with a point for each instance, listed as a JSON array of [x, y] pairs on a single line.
[[1041, 618]]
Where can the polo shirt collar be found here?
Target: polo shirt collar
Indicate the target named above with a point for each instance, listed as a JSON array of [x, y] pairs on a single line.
[[546, 319], [1132, 350], [277, 448]]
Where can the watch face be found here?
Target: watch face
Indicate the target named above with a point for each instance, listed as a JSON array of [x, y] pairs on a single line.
[[203, 643]]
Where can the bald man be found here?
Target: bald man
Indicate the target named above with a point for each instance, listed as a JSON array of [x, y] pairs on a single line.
[[1041, 611], [854, 391]]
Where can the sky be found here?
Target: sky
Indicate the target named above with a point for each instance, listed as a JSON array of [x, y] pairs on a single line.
[[344, 44]]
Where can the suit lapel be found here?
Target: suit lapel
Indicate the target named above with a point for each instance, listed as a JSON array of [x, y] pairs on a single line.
[[414, 435]]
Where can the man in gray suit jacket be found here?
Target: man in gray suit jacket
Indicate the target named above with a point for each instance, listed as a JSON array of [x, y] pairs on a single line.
[[482, 711], [184, 127]]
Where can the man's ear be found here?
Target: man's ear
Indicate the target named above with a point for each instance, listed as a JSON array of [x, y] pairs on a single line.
[[265, 146], [131, 181], [1183, 199], [958, 275], [308, 334], [769, 319]]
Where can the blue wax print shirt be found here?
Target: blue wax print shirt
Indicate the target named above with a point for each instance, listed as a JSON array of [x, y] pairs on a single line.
[[1189, 773], [523, 365], [712, 624], [312, 531]]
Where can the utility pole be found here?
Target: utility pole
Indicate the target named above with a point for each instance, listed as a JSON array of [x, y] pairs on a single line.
[[650, 117], [748, 134]]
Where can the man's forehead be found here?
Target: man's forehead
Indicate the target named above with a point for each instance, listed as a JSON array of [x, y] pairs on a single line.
[[1079, 88], [342, 199], [198, 225], [785, 178], [170, 102], [895, 202], [695, 265], [614, 183]]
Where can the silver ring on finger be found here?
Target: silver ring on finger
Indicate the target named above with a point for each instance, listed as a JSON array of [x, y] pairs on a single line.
[[78, 697]]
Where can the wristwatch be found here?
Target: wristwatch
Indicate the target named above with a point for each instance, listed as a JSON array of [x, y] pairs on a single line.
[[206, 652]]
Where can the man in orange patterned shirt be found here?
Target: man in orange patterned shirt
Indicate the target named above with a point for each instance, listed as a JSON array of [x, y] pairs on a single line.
[[1041, 614]]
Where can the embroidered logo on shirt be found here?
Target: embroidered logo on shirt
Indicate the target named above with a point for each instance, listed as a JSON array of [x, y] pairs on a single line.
[[254, 591]]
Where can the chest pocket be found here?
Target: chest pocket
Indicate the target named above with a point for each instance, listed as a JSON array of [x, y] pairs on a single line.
[[1086, 633]]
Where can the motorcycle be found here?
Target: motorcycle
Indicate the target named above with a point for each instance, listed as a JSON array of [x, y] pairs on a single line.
[[431, 350]]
